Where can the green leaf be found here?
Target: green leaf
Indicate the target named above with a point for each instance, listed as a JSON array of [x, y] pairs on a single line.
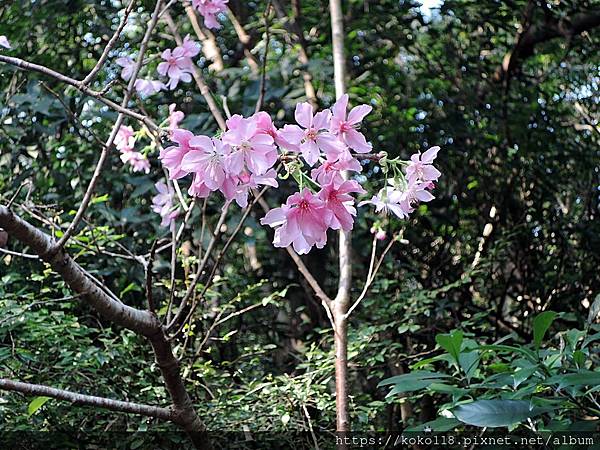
[[469, 361], [495, 413], [416, 375], [36, 404], [541, 323], [451, 343], [582, 378]]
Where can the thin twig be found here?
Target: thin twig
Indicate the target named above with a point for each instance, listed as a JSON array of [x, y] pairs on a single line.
[[111, 43]]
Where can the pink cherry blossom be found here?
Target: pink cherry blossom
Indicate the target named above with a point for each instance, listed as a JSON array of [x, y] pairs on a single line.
[[413, 194], [207, 161], [148, 87], [135, 159], [128, 64], [254, 149], [172, 156], [389, 200], [346, 127], [174, 117], [301, 222], [250, 181], [332, 167], [209, 9], [338, 200], [198, 188], [176, 65], [162, 203], [313, 138], [190, 47], [125, 138], [4, 42], [421, 166]]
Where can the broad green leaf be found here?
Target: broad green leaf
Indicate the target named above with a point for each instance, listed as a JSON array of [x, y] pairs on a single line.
[[582, 378], [451, 343], [541, 323], [416, 375], [495, 413], [469, 362], [410, 386], [36, 404]]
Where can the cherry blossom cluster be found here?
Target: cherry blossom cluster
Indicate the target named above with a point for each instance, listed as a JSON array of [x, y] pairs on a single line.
[[125, 142], [317, 151], [405, 190], [176, 65]]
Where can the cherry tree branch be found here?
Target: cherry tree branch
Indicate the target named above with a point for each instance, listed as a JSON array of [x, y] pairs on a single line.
[[32, 67], [87, 400], [244, 39]]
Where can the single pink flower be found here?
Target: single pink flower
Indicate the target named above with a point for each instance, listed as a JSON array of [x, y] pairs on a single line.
[[301, 222], [255, 150], [176, 66], [128, 64], [338, 200], [380, 235], [209, 10], [162, 203], [389, 200], [172, 156], [346, 127], [125, 138], [148, 87], [174, 117], [136, 160], [250, 181], [313, 138], [421, 166], [413, 194], [332, 167], [207, 161], [190, 47]]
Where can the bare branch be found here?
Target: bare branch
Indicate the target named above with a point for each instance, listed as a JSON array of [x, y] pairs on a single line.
[[87, 400], [25, 65]]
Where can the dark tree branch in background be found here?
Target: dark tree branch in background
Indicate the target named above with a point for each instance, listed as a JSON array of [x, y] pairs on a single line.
[[87, 400], [551, 28], [295, 29]]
